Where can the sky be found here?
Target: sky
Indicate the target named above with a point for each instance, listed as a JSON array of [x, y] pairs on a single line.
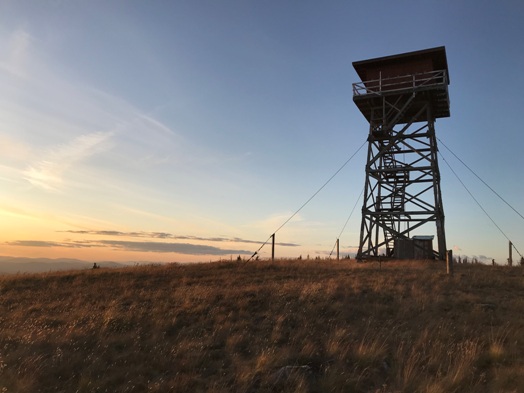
[[192, 130]]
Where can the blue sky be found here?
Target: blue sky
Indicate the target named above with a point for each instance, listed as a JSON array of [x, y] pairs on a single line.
[[191, 130]]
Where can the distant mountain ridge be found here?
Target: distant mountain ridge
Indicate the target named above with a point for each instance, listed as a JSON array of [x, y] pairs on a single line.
[[13, 265]]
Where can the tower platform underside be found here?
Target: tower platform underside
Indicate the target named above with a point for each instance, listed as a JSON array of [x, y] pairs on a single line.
[[430, 88]]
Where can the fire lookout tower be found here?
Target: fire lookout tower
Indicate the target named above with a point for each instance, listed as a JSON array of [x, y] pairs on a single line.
[[401, 96]]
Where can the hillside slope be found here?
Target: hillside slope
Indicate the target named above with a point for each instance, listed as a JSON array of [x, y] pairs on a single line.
[[289, 326]]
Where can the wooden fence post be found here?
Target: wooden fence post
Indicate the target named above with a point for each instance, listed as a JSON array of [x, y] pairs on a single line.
[[273, 247], [449, 262]]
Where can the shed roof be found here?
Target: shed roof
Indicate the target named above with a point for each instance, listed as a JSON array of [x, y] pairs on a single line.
[[423, 237]]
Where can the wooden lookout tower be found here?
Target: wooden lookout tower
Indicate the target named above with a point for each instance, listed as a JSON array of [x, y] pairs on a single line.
[[401, 96]]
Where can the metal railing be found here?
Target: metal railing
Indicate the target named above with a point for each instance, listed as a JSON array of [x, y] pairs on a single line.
[[397, 83]]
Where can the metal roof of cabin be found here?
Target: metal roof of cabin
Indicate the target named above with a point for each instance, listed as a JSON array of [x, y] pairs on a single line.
[[423, 237]]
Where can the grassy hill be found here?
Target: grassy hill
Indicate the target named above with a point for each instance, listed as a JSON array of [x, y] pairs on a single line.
[[286, 326]]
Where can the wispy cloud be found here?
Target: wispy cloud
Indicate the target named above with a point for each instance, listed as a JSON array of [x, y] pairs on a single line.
[[161, 242], [154, 247], [75, 118], [45, 104], [180, 248], [166, 235], [49, 171], [44, 243]]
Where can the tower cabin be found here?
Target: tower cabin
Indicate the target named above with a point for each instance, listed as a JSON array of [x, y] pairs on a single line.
[[394, 78]]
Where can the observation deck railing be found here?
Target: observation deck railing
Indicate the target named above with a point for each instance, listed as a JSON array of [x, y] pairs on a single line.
[[416, 81]]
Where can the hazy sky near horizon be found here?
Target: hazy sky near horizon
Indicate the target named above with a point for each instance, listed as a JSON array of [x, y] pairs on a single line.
[[191, 130]]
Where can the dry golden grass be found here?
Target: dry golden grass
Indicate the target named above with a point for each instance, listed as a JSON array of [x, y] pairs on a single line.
[[285, 326]]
